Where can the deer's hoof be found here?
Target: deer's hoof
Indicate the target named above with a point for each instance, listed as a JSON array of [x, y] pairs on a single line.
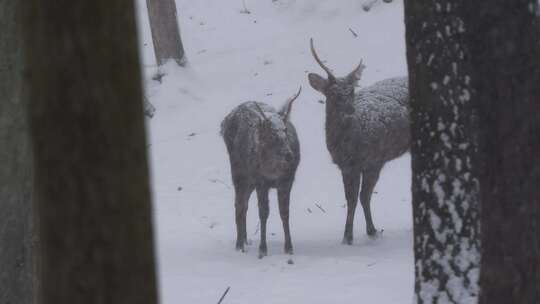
[[288, 249], [374, 233], [263, 252], [347, 240], [240, 246]]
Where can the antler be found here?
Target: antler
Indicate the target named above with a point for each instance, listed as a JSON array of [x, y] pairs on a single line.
[[331, 77], [290, 102], [261, 111]]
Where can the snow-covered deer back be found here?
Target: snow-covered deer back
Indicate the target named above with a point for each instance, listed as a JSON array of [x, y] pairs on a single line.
[[364, 130], [264, 153]]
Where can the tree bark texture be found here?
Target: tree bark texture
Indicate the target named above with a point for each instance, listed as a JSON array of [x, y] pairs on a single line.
[[444, 184], [16, 237], [165, 31], [505, 41], [91, 173]]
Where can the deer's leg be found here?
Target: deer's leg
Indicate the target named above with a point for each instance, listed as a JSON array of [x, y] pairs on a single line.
[[351, 182], [262, 196], [370, 177], [242, 193], [284, 194]]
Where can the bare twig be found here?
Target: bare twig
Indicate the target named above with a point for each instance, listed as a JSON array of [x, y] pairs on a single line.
[[369, 4], [224, 294], [353, 32], [319, 206], [216, 180]]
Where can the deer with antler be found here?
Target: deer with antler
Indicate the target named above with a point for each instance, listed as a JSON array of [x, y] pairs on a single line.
[[364, 130], [264, 153]]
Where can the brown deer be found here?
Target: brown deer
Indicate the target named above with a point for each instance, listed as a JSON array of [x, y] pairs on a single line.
[[364, 130], [264, 153]]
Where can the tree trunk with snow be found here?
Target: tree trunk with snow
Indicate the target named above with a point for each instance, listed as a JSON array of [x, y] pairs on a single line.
[[444, 185], [506, 75], [91, 174], [165, 31], [16, 230]]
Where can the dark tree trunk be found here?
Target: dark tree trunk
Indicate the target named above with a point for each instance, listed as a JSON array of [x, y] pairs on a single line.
[[16, 237], [506, 74], [444, 184], [91, 174], [165, 31]]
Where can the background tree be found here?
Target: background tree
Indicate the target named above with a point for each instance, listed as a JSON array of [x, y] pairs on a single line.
[[91, 174], [16, 238], [444, 184], [165, 31], [506, 74]]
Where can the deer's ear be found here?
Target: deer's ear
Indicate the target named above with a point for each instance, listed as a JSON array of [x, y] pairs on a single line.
[[356, 74], [318, 82]]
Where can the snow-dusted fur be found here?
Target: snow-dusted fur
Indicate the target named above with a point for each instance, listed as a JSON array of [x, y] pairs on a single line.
[[364, 130], [264, 153]]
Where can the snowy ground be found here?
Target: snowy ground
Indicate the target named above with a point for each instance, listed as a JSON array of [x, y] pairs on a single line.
[[235, 57]]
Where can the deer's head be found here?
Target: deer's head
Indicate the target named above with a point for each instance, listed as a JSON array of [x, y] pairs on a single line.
[[276, 146], [339, 91]]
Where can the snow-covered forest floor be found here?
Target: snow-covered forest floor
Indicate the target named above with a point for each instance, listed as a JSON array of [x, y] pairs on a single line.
[[234, 57]]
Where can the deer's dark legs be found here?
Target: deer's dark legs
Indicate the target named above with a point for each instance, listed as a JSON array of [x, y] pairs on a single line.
[[369, 179], [242, 193], [284, 193], [351, 182], [262, 196]]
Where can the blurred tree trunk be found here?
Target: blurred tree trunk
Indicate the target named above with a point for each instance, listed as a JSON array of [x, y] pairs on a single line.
[[16, 237], [91, 173], [444, 185], [506, 75], [165, 31]]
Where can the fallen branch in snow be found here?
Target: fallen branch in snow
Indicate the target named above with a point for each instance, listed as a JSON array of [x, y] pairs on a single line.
[[319, 206], [369, 4], [353, 32], [216, 180], [224, 294]]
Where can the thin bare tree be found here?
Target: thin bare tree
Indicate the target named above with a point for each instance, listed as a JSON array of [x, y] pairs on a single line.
[[165, 31]]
